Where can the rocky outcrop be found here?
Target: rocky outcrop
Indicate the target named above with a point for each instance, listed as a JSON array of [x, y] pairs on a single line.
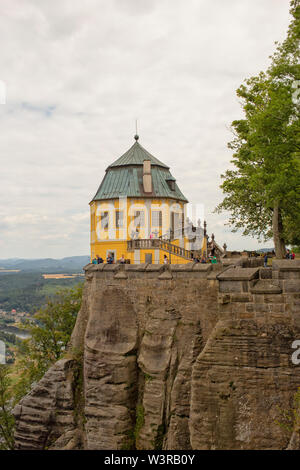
[[176, 357], [48, 413]]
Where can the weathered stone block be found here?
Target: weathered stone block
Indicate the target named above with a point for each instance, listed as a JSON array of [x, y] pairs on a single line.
[[137, 267], [265, 273], [165, 276], [262, 307], [278, 308], [291, 286], [239, 274], [182, 267], [224, 299], [265, 286], [286, 265], [238, 308], [273, 298], [231, 262], [154, 268], [231, 286], [258, 298], [95, 267], [206, 268], [243, 297]]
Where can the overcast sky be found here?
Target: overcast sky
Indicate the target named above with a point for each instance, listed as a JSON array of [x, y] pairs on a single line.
[[78, 74]]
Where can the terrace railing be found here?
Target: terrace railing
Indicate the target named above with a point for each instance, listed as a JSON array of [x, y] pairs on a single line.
[[152, 243]]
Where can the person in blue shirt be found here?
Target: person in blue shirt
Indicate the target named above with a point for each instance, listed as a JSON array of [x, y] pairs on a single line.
[[109, 259]]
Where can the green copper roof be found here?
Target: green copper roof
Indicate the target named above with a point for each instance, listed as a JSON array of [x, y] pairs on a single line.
[[124, 177], [136, 156]]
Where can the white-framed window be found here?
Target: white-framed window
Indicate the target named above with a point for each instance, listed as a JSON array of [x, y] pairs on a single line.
[[139, 218], [176, 224], [119, 219], [104, 217], [156, 218]]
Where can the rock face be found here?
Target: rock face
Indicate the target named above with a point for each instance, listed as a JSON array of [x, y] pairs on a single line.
[[176, 357], [47, 414]]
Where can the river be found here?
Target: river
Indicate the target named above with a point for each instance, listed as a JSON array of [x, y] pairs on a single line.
[[22, 334]]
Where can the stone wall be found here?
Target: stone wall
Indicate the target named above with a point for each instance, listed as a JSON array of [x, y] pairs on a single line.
[[174, 357]]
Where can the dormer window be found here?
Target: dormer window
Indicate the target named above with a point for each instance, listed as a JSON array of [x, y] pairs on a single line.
[[171, 183], [147, 177]]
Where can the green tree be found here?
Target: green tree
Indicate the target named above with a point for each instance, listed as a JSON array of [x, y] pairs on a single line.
[[262, 192], [6, 418], [49, 338]]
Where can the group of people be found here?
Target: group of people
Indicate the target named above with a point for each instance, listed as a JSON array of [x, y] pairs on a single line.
[[290, 255], [97, 260], [203, 260], [109, 259], [135, 234], [122, 260], [197, 259]]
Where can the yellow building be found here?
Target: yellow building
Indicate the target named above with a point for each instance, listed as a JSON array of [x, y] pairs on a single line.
[[138, 212]]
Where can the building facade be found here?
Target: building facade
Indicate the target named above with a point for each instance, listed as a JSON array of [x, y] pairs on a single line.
[[139, 211]]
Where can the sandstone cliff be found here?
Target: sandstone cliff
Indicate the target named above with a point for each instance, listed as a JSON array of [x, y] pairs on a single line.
[[176, 357]]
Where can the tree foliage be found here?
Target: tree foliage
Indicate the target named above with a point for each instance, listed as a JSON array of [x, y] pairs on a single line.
[[6, 418], [50, 335], [289, 419], [262, 192], [27, 291]]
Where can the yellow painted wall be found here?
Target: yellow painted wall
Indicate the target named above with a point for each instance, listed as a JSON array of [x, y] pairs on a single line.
[[114, 238], [120, 249]]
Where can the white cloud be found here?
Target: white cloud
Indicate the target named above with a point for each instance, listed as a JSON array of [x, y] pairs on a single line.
[[79, 73]]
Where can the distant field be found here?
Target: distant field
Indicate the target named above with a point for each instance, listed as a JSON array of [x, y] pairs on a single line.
[[70, 264], [61, 276], [27, 292], [2, 271]]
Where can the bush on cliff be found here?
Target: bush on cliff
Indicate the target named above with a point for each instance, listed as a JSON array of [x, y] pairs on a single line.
[[6, 418]]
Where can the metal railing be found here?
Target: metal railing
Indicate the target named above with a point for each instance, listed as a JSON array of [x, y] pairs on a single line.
[[152, 243]]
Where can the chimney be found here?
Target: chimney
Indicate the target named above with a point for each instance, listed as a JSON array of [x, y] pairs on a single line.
[[147, 178]]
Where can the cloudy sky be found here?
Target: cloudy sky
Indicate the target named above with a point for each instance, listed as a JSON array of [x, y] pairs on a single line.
[[78, 74]]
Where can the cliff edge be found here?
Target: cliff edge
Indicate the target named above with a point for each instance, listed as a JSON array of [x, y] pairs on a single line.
[[173, 357]]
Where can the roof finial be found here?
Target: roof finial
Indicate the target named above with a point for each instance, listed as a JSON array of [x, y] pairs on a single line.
[[136, 132]]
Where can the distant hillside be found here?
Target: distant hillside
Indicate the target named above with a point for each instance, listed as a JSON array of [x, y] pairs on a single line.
[[28, 291], [265, 250], [48, 265]]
